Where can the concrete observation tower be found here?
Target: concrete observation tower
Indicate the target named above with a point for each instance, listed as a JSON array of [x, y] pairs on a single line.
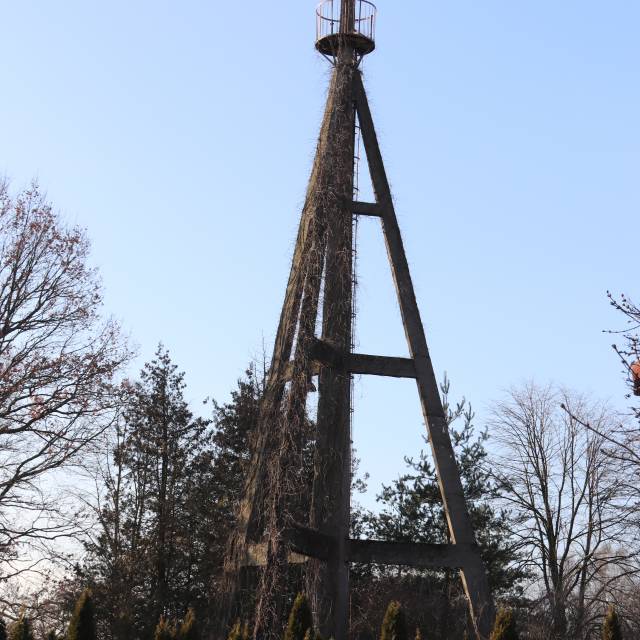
[[314, 360]]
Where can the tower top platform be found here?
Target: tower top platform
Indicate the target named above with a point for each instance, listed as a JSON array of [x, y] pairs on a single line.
[[334, 30]]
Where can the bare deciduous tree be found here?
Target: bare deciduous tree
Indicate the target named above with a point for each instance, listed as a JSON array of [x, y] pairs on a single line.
[[568, 501], [630, 352], [621, 444], [58, 359]]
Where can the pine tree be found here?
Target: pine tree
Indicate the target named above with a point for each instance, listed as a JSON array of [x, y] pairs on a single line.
[[21, 629], [83, 621], [412, 506], [394, 625], [300, 619], [611, 629], [164, 630], [189, 628], [3, 629], [504, 627], [411, 510]]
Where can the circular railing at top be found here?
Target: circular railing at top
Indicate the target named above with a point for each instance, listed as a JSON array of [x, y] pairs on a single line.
[[328, 19]]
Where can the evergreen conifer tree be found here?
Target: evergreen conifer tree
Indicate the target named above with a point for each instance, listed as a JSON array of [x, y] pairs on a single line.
[[239, 631], [83, 621], [236, 632], [394, 625], [171, 496], [300, 619], [3, 629], [504, 627], [611, 629], [21, 629], [164, 630], [189, 628], [411, 509]]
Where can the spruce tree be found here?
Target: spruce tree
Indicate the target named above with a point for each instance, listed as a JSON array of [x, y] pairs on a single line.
[[83, 621], [164, 630], [394, 625], [300, 619], [189, 627], [504, 627], [611, 629], [21, 629]]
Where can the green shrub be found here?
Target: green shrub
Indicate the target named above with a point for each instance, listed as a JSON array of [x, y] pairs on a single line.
[[122, 625], [165, 630], [21, 629], [504, 627], [189, 628], [394, 625], [83, 620], [300, 619], [239, 631], [611, 629]]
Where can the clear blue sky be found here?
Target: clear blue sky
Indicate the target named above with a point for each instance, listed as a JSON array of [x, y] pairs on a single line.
[[181, 135]]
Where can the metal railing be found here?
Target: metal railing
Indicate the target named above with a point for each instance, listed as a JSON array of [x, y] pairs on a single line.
[[328, 19]]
